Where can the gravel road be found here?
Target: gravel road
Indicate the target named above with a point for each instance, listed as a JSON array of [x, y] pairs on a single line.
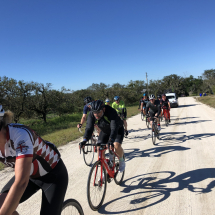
[[175, 176]]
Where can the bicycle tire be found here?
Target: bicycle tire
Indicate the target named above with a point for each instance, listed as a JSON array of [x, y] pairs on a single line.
[[147, 122], [153, 133], [142, 116], [88, 153], [118, 182], [73, 205], [95, 180]]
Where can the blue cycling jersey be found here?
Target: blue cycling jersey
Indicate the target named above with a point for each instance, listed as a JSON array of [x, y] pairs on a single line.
[[86, 109]]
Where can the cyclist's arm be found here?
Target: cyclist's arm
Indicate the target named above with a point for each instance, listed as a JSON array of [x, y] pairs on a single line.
[[22, 172], [141, 106], [90, 126], [147, 108], [83, 119], [169, 104]]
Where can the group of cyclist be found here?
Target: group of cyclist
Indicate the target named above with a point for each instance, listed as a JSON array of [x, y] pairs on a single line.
[[38, 163], [153, 108]]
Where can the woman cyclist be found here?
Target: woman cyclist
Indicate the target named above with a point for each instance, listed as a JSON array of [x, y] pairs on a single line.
[[37, 165]]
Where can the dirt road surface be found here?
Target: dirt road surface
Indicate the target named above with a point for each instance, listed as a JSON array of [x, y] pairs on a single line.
[[175, 176]]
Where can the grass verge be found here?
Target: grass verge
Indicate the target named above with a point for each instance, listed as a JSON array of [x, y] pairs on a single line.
[[208, 100]]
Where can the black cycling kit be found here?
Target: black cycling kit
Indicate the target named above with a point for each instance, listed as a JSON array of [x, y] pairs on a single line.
[[110, 124]]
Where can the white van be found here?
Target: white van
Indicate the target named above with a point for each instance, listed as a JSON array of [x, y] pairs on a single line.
[[173, 99]]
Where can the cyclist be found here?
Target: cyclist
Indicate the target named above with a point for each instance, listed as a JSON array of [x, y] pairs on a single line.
[[159, 97], [86, 109], [120, 108], [154, 108], [37, 164], [111, 126], [107, 101], [144, 103], [166, 105]]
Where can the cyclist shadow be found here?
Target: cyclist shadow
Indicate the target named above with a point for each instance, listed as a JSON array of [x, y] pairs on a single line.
[[153, 152], [140, 129], [181, 137], [146, 190]]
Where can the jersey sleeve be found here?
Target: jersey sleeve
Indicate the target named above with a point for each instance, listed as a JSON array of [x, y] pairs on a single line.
[[23, 144], [85, 110]]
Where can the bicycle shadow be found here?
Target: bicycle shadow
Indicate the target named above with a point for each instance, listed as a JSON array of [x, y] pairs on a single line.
[[191, 122], [182, 106], [149, 189], [152, 152], [179, 137]]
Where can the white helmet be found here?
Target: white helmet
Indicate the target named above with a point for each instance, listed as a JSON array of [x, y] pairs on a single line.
[[107, 100], [151, 97], [1, 111]]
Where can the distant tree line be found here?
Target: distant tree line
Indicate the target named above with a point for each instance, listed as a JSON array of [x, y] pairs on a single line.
[[36, 100]]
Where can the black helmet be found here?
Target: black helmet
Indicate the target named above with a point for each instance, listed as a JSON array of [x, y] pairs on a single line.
[[96, 105], [87, 100], [159, 96]]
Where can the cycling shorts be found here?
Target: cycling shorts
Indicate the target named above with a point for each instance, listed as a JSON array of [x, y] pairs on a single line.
[[152, 115], [103, 138], [54, 186]]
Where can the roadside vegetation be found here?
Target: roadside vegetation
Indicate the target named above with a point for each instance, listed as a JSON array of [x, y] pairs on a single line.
[[208, 100]]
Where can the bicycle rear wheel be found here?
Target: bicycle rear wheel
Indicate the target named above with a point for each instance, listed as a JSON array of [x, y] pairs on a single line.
[[153, 134], [96, 187], [88, 153], [118, 178], [71, 207]]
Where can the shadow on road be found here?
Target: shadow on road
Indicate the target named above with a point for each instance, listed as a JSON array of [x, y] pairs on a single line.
[[150, 189], [182, 106], [153, 152], [191, 122]]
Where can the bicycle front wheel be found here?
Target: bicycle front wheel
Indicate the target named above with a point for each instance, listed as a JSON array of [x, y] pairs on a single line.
[[118, 178], [71, 207], [88, 153], [142, 116], [147, 122], [153, 134], [96, 186]]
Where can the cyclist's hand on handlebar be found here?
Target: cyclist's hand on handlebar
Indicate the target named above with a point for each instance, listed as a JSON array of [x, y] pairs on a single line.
[[110, 144], [79, 125], [82, 144]]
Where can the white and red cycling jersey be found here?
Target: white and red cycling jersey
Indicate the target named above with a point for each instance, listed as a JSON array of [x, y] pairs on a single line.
[[24, 142]]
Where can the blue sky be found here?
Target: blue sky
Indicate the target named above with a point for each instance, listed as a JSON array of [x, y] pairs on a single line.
[[80, 42]]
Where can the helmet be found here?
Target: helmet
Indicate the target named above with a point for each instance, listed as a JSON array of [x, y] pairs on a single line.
[[145, 94], [87, 100], [151, 96], [159, 96], [107, 100], [116, 98], [97, 105], [1, 111]]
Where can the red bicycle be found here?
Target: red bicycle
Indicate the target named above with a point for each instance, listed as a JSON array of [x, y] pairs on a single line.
[[103, 170], [166, 115]]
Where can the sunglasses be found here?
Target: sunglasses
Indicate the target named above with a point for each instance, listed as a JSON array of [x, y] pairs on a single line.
[[97, 111]]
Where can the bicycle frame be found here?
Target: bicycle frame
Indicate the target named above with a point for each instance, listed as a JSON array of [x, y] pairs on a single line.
[[110, 171]]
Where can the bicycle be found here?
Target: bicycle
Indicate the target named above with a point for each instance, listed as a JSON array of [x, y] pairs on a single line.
[[155, 132], [147, 121], [166, 115], [103, 170], [71, 207], [89, 150], [142, 115]]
